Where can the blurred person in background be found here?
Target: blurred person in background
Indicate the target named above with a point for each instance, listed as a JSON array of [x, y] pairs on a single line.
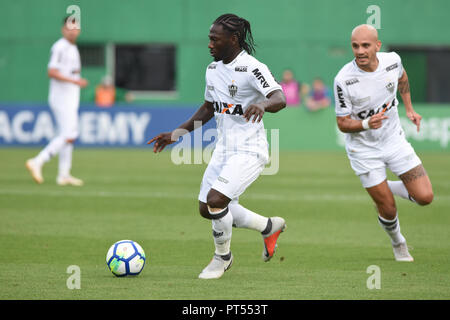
[[291, 88], [105, 93], [319, 97], [64, 71]]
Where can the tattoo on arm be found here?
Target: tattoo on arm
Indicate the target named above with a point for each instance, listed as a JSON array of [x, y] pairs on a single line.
[[403, 86], [413, 174]]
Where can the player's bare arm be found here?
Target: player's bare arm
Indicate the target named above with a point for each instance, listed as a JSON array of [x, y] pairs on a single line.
[[274, 103], [348, 125], [55, 74], [203, 114], [403, 89]]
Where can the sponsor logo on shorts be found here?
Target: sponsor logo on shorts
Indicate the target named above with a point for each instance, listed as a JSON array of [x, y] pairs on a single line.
[[221, 179]]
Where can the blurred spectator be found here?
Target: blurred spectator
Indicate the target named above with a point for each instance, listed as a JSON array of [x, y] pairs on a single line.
[[291, 89], [319, 97], [105, 93]]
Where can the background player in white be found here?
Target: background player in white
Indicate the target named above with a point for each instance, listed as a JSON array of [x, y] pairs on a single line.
[[64, 96], [366, 110], [239, 89]]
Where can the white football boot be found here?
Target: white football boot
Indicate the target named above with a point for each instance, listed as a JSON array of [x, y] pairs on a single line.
[[216, 268], [270, 239], [35, 170], [401, 252], [69, 181]]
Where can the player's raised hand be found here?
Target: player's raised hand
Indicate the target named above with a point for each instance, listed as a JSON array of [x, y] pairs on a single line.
[[376, 121], [254, 111], [161, 141], [415, 118]]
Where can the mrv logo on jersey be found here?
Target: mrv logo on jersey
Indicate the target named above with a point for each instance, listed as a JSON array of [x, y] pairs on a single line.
[[260, 77]]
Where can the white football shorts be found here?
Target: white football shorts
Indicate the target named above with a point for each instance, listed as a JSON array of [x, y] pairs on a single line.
[[230, 174], [66, 116], [371, 169]]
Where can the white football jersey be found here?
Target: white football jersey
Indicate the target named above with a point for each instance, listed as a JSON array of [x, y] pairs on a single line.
[[232, 88], [65, 57], [362, 94]]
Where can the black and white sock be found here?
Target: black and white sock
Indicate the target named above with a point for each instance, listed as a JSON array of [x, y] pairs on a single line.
[[392, 228]]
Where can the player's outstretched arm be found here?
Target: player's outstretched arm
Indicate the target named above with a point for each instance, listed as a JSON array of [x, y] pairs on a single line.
[[274, 103], [203, 115], [403, 89]]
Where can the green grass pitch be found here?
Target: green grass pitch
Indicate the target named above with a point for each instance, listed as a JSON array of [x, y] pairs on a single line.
[[332, 234]]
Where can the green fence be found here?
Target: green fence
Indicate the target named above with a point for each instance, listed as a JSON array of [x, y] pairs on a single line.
[[310, 37]]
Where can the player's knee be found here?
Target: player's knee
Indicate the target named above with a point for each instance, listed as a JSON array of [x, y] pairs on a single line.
[[217, 200], [425, 198], [204, 212]]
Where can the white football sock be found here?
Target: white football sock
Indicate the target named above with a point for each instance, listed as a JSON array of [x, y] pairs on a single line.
[[399, 189], [222, 230], [65, 160], [244, 218], [392, 228], [51, 150]]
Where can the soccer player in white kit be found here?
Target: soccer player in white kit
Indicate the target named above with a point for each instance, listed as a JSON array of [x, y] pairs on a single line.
[[239, 89], [366, 110], [64, 96]]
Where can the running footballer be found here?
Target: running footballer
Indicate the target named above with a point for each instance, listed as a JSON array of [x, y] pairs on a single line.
[[239, 90], [366, 111]]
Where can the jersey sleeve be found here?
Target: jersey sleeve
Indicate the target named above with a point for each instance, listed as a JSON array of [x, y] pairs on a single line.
[[400, 65], [262, 79], [343, 106], [208, 96], [55, 57]]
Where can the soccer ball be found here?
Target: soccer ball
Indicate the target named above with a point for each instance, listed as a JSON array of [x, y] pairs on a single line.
[[125, 258]]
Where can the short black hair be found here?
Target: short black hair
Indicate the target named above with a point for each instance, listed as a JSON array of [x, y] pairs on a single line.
[[241, 28]]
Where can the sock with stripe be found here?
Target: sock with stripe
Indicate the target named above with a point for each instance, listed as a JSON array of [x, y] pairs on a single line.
[[392, 228], [399, 189]]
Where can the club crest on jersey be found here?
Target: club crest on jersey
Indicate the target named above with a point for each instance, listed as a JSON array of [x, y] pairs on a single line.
[[390, 87], [232, 88]]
